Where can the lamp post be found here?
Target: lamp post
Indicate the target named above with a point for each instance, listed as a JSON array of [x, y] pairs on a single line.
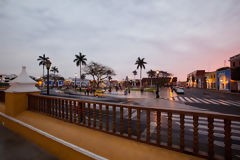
[[75, 84], [157, 91], [48, 65]]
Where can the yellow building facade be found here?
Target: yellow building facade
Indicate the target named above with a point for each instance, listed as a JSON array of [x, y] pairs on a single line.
[[211, 80]]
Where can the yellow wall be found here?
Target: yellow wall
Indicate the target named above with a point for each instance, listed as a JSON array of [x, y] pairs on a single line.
[[212, 78], [16, 103]]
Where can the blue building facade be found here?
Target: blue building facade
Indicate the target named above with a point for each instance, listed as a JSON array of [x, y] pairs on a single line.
[[224, 80]]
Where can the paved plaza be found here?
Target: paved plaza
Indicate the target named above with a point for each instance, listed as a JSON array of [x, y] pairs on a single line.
[[15, 147]]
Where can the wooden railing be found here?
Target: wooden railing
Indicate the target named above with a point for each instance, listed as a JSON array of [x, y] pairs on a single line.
[[2, 96], [144, 124]]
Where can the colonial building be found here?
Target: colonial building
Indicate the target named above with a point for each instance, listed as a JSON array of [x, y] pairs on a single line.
[[235, 73], [211, 80], [197, 79], [224, 79]]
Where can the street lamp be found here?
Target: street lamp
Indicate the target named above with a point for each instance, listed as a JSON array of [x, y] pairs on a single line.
[[157, 91], [75, 86], [48, 65]]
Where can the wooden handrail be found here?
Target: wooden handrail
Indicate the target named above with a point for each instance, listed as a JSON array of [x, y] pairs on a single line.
[[174, 111], [117, 119]]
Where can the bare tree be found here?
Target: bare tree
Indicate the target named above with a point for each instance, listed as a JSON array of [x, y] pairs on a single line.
[[99, 72]]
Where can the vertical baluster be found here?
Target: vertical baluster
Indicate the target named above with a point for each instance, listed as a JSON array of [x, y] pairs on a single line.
[[148, 127], [89, 118], [121, 120], [79, 112], [52, 106], [182, 116], [100, 116], [55, 107], [138, 124], [50, 102], [227, 139], [66, 103], [48, 106], [158, 127], [59, 108], [129, 122], [74, 111], [94, 115], [195, 134], [114, 119], [210, 138], [107, 117], [169, 129], [71, 111], [63, 109], [83, 113]]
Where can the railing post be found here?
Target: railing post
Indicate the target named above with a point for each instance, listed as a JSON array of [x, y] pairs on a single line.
[[114, 119], [121, 120], [59, 108], [227, 139], [89, 118], [169, 129], [83, 113], [182, 116], [148, 126], [195, 134], [129, 122], [94, 115], [138, 124], [158, 127], [100, 116], [107, 118], [210, 138], [67, 102], [63, 109], [74, 111], [79, 111]]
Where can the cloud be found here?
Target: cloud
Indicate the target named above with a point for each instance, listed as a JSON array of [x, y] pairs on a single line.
[[179, 36]]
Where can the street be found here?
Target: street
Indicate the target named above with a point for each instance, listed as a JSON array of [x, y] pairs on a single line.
[[192, 100]]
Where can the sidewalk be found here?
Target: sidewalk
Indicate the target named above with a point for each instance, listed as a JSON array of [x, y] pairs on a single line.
[[13, 146]]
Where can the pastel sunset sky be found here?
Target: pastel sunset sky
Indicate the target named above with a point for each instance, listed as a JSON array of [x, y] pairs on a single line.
[[178, 36]]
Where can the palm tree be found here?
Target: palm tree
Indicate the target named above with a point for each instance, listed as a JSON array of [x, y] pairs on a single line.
[[54, 69], [134, 74], [151, 74], [140, 64], [42, 60], [80, 60]]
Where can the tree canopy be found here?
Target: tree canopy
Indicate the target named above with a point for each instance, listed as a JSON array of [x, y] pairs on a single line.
[[98, 72]]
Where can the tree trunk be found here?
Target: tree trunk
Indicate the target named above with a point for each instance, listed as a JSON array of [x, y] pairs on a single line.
[[140, 77], [43, 71], [151, 81], [80, 76]]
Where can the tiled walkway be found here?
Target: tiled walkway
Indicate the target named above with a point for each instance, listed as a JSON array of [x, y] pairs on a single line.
[[13, 146]]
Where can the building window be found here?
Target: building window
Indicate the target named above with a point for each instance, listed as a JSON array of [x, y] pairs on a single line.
[[233, 64]]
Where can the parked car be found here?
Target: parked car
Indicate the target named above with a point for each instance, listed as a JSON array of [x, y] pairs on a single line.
[[99, 93], [179, 90]]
